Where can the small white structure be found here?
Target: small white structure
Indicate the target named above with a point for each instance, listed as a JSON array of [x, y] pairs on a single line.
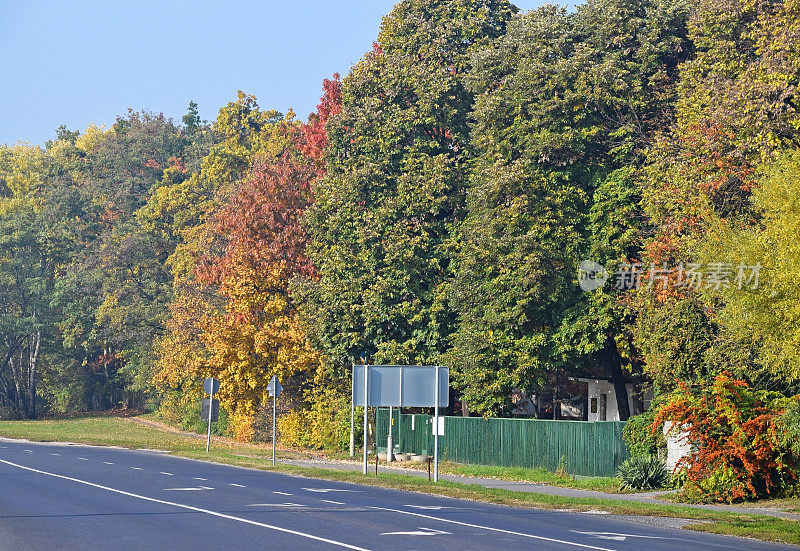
[[602, 400], [678, 446]]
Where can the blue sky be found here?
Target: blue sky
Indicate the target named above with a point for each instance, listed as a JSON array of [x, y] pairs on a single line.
[[81, 62]]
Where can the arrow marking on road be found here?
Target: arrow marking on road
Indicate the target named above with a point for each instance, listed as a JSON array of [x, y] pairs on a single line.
[[489, 528], [421, 532], [614, 536]]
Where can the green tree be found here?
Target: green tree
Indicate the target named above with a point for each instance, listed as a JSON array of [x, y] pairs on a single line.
[[566, 104], [387, 209]]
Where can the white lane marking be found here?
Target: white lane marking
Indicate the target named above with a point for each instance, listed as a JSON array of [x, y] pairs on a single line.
[[187, 489], [29, 451], [198, 478], [421, 532], [136, 468], [55, 454], [238, 485], [430, 507], [83, 459], [524, 535], [165, 474], [108, 462], [282, 493], [331, 501], [326, 490], [189, 507], [614, 536], [275, 505], [4, 447]]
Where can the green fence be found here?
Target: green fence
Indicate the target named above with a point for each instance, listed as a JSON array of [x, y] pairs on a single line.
[[583, 448]]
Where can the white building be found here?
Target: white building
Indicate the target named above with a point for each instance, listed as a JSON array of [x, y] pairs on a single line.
[[602, 400]]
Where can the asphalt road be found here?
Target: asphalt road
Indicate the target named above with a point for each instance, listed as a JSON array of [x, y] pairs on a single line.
[[79, 497]]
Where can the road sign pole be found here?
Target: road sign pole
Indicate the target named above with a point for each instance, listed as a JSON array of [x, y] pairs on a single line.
[[353, 415], [210, 412], [436, 428], [274, 400], [366, 403], [389, 443]]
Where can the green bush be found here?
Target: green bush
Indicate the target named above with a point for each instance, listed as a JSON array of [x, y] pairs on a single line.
[[642, 473], [641, 439], [789, 426]]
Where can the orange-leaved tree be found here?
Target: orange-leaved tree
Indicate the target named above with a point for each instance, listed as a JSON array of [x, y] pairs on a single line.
[[257, 334]]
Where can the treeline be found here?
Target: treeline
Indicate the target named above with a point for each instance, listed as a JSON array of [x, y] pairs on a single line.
[[433, 210]]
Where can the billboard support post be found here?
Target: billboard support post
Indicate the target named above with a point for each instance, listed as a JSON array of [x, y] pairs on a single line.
[[436, 427], [366, 404], [401, 386], [352, 417]]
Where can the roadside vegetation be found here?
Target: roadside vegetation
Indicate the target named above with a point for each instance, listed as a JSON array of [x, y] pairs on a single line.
[[434, 209]]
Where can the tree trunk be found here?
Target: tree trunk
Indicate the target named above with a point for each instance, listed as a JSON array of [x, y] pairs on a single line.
[[612, 362], [32, 361]]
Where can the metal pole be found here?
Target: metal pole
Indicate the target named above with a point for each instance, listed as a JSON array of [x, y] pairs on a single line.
[[274, 400], [389, 442], [210, 411], [366, 395], [353, 413], [436, 429]]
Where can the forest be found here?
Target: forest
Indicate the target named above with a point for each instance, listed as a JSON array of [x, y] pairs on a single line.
[[434, 209]]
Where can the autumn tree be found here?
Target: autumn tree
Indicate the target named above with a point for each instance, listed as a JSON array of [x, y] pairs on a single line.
[[566, 104], [737, 109]]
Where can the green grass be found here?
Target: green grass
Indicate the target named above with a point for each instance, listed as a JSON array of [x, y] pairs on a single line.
[[116, 431], [538, 476]]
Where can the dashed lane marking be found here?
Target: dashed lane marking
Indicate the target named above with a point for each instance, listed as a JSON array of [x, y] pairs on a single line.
[[421, 532], [55, 454], [165, 474], [238, 485], [83, 459], [190, 508], [326, 490], [282, 493], [136, 468], [108, 462], [198, 478], [331, 501], [275, 505], [430, 507], [198, 488]]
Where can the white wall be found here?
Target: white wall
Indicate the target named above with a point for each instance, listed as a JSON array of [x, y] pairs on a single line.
[[598, 388], [678, 446]]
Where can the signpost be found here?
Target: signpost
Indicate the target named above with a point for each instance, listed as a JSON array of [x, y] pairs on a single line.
[[210, 406], [274, 387], [402, 386]]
